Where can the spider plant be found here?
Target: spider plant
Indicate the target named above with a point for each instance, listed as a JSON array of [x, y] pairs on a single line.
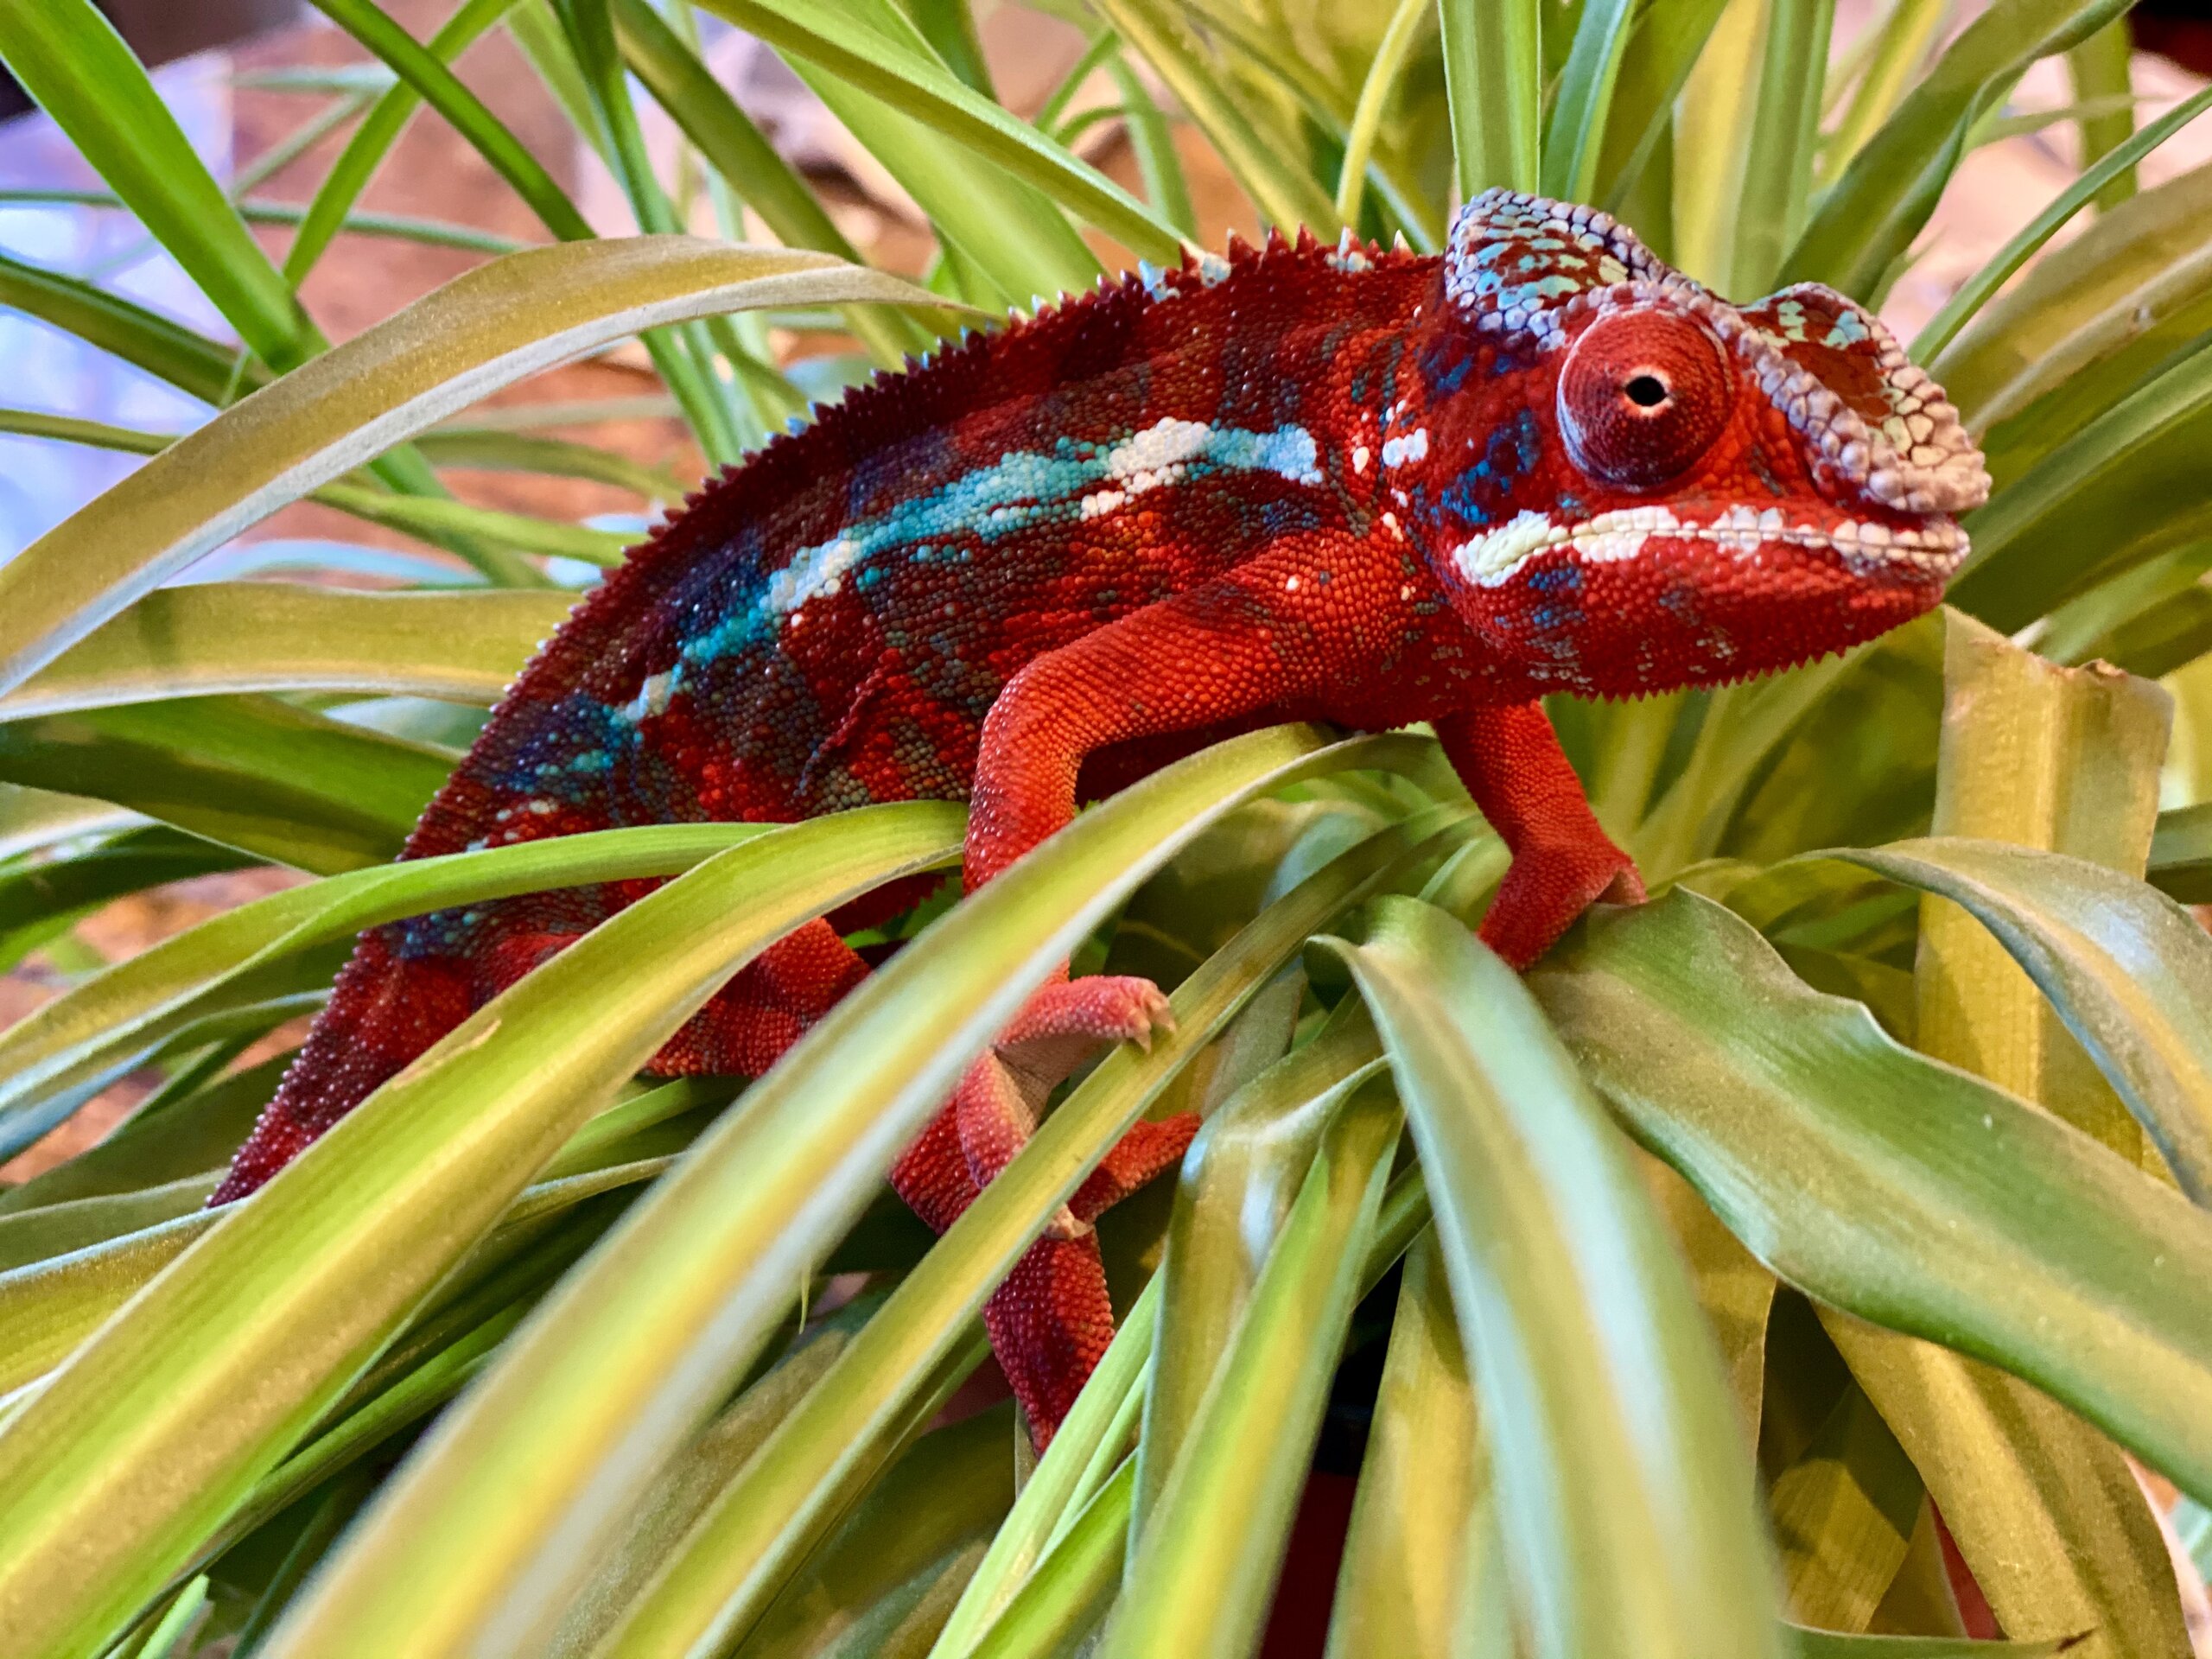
[[1802, 1263]]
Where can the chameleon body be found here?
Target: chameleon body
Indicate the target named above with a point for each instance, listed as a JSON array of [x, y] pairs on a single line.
[[1299, 482]]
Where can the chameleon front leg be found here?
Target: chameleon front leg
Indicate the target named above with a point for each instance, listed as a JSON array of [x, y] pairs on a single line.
[[1510, 758], [1200, 659]]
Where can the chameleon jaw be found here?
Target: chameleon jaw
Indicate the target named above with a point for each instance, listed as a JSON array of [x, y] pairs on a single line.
[[1928, 551]]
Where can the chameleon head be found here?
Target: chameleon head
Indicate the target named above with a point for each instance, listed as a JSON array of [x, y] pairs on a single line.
[[1626, 484]]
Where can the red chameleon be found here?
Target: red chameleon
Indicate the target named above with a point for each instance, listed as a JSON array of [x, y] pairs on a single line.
[[1299, 483]]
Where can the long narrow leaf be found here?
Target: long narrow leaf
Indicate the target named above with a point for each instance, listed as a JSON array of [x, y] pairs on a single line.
[[918, 87], [70, 58], [364, 151], [1875, 210], [1836, 1155], [164, 348], [1493, 79], [1623, 1481], [124, 1460], [1200, 1580], [2128, 969], [232, 957], [1998, 268], [259, 636], [494, 326], [622, 1367], [716, 1585]]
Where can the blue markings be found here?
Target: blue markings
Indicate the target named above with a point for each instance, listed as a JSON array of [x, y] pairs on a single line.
[[567, 749]]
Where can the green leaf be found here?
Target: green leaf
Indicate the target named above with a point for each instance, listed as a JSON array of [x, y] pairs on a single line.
[[1153, 145], [2130, 280], [1837, 1155], [70, 58], [2128, 969], [1743, 727], [1710, 150], [712, 1589], [723, 1449], [879, 1585], [452, 524], [483, 448], [33, 896], [422, 68], [684, 356], [2099, 68], [629, 1358], [1203, 1573], [916, 86], [1870, 216], [1907, 33], [260, 636], [729, 141], [2115, 165], [236, 957], [1785, 128], [2180, 854], [1828, 1644], [1074, 1585], [498, 324], [250, 773], [2117, 492], [120, 1464], [1843, 1513], [1494, 84], [73, 1224], [442, 523], [1048, 1509], [1238, 1183], [158, 1144], [34, 818], [47, 1308], [1285, 194], [165, 349], [1406, 1587], [1581, 112], [1382, 76], [1661, 49], [380, 128], [2046, 1511], [1623, 1477]]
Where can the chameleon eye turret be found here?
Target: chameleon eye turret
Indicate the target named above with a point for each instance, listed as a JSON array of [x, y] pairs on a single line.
[[1641, 395]]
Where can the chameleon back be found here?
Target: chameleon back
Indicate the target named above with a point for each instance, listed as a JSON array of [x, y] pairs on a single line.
[[828, 624]]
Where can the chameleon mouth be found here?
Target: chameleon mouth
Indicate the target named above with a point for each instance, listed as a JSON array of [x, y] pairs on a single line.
[[1926, 551]]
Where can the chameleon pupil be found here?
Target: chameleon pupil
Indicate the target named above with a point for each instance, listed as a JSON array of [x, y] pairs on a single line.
[[1646, 392]]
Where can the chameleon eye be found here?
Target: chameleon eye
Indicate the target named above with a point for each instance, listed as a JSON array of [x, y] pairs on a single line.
[[1642, 396]]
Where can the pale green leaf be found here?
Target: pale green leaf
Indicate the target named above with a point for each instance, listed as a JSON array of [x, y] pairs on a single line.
[[1622, 1477], [259, 636], [490, 327]]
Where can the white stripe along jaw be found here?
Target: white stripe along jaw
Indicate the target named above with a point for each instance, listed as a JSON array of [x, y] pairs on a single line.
[[1932, 550]]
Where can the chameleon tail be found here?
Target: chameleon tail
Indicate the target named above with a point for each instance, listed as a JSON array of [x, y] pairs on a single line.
[[388, 1008]]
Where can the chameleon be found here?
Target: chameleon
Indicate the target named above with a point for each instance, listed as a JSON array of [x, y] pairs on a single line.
[[1300, 481]]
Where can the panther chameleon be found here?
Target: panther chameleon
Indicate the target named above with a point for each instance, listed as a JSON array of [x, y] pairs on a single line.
[[1302, 481]]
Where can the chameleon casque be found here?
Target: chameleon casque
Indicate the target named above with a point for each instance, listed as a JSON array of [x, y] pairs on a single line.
[[1299, 482]]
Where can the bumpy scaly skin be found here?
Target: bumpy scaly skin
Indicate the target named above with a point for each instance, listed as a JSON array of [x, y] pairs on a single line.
[[1299, 482]]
